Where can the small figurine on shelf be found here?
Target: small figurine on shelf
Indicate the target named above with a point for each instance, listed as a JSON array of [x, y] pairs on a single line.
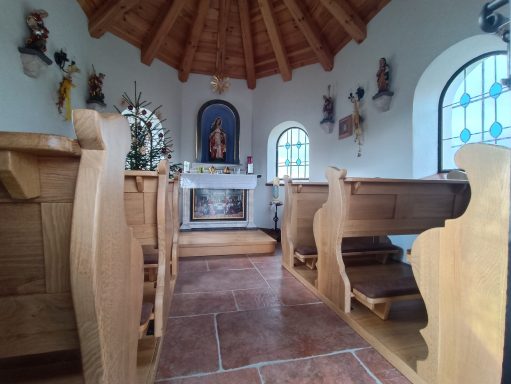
[[357, 118], [65, 86], [32, 55], [328, 121], [96, 98], [383, 97]]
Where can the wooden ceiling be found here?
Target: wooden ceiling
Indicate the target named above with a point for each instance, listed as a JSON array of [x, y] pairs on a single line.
[[243, 39]]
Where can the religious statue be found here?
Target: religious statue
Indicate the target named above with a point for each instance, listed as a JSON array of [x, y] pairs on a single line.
[[328, 120], [217, 141], [96, 87], [383, 76], [38, 32]]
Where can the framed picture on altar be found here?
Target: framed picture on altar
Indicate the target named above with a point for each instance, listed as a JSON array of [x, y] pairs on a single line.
[[218, 204], [218, 132]]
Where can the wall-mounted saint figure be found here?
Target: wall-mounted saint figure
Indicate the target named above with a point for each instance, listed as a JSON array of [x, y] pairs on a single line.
[[217, 141]]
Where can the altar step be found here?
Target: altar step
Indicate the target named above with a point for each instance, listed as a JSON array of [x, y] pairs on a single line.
[[212, 243]]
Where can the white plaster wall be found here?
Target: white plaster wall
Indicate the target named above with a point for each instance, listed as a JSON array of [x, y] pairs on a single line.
[[410, 34], [29, 104]]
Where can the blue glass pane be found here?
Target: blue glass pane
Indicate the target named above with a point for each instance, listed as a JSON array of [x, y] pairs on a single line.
[[465, 135], [287, 162], [496, 129], [298, 161], [287, 145], [495, 90], [465, 100], [298, 145]]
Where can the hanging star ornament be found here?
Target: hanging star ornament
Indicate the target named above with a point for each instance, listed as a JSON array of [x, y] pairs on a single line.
[[220, 84]]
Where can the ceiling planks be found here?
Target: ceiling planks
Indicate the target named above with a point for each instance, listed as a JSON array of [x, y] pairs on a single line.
[[347, 17], [106, 15], [193, 41], [242, 39], [277, 43], [158, 33]]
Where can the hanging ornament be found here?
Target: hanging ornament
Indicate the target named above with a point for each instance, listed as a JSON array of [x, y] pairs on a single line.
[[220, 83], [357, 119], [328, 121]]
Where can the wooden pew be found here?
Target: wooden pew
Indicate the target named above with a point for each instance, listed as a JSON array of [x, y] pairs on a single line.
[[70, 268], [150, 202], [302, 202]]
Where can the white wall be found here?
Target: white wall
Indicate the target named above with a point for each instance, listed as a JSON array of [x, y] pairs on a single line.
[[410, 34], [29, 104]]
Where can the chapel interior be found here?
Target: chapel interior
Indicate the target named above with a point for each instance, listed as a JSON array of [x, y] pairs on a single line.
[[255, 191]]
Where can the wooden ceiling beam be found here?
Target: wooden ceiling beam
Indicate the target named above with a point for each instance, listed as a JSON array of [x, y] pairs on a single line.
[[248, 47], [107, 13], [193, 40], [275, 36], [223, 18], [169, 13], [311, 33], [347, 17]]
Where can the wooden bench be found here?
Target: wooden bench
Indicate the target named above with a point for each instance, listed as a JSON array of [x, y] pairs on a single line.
[[70, 268], [151, 209], [302, 202]]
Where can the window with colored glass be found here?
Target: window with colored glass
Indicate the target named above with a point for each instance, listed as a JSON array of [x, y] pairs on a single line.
[[293, 154], [474, 107]]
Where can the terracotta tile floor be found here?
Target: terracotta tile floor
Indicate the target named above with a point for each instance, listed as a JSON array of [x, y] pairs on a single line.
[[245, 320]]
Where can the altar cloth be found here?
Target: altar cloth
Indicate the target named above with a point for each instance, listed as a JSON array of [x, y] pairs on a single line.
[[217, 181]]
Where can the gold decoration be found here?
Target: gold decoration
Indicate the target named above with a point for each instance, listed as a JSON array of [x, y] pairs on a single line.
[[220, 84]]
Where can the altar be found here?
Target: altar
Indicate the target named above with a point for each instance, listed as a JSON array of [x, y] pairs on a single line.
[[212, 201]]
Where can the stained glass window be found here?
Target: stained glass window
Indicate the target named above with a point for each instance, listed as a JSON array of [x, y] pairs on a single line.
[[474, 107], [293, 154]]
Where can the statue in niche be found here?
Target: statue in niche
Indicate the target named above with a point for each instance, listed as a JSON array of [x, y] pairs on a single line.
[[383, 76], [217, 141]]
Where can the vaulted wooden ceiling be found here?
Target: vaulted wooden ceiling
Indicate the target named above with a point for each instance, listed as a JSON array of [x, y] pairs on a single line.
[[243, 39]]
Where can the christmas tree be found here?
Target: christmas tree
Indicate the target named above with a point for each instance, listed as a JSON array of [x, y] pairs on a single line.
[[150, 141]]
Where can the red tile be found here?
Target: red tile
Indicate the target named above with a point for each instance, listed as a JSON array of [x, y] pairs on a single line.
[[268, 334], [342, 368], [219, 281], [242, 376], [272, 270], [291, 292], [201, 303], [229, 262], [189, 347], [256, 298], [192, 264], [380, 367]]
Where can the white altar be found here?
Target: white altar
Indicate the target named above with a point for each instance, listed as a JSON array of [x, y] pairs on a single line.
[[192, 181]]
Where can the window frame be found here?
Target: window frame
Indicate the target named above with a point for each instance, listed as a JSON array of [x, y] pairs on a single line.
[[305, 166], [441, 101]]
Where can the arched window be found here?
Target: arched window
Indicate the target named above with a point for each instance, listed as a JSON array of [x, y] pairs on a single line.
[[474, 107], [293, 154]]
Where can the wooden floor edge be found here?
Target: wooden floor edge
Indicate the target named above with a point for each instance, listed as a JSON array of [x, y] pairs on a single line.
[[404, 368]]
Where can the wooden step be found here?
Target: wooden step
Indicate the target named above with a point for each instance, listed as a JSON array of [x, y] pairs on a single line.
[[228, 242]]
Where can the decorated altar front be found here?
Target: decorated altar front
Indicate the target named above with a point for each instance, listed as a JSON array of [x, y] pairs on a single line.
[[217, 200]]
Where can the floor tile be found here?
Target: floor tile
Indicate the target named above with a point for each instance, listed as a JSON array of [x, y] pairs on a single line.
[[201, 303], [219, 281], [380, 367], [342, 368], [272, 270], [276, 258], [189, 347], [256, 298], [192, 264], [229, 262], [291, 292], [267, 334], [242, 376]]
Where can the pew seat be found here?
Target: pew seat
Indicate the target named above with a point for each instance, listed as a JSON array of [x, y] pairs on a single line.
[[378, 286], [355, 246]]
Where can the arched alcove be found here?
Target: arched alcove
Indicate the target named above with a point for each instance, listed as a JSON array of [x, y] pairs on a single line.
[[427, 95]]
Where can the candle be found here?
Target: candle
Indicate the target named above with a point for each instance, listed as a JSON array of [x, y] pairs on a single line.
[[276, 181], [275, 188]]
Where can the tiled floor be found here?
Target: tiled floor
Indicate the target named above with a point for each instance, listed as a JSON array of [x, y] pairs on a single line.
[[244, 320]]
